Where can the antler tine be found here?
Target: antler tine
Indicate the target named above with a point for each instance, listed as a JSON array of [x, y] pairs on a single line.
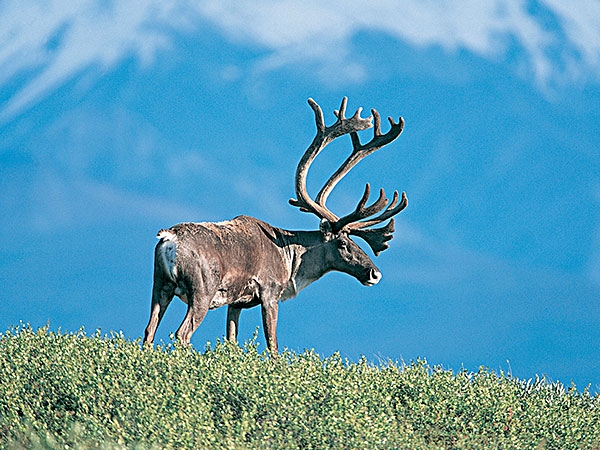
[[318, 114], [323, 137], [362, 212], [377, 123], [390, 211], [394, 201], [341, 113]]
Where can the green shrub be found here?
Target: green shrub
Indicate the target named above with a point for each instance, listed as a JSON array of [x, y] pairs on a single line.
[[68, 390]]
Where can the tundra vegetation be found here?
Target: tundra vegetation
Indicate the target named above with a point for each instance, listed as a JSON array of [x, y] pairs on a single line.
[[68, 390]]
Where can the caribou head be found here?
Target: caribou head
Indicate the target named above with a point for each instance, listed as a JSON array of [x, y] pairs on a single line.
[[343, 255], [245, 262]]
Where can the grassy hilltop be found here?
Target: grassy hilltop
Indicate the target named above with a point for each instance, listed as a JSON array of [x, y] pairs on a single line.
[[73, 391]]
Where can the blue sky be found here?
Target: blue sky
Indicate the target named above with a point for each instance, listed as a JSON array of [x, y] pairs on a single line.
[[121, 118]]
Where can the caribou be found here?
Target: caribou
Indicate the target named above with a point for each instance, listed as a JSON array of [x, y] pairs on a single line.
[[245, 262]]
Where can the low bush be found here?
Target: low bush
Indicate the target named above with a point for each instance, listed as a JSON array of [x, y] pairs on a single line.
[[69, 390]]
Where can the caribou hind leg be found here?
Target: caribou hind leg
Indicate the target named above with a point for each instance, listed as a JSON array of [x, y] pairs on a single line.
[[162, 294], [196, 311]]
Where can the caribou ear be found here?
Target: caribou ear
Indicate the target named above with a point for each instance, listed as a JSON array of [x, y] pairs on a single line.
[[326, 229], [376, 237]]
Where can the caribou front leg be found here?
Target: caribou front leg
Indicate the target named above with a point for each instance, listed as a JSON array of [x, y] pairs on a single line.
[[269, 316], [233, 316]]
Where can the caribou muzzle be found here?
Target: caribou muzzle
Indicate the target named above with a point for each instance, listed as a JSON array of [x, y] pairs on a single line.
[[373, 277]]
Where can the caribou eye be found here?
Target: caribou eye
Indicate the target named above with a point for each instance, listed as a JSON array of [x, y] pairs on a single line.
[[342, 245]]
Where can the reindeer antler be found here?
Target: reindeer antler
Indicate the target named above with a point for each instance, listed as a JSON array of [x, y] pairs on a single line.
[[354, 222]]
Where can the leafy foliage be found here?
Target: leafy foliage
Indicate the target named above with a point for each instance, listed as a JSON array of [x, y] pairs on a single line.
[[73, 391]]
